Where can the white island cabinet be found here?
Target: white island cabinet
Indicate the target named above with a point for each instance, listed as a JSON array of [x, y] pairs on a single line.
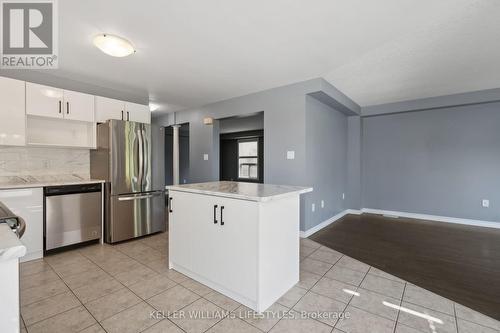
[[241, 239], [11, 249], [28, 204]]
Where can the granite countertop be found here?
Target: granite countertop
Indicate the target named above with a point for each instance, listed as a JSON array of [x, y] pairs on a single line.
[[10, 246], [13, 182], [240, 190]]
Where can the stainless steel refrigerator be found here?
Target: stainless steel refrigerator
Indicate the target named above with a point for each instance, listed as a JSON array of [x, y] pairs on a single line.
[[134, 206]]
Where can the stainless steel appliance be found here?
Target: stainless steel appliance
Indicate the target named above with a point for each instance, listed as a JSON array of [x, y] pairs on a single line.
[[134, 206], [73, 214], [16, 223]]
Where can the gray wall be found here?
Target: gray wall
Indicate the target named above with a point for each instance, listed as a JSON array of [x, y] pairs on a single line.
[[184, 158], [241, 124], [354, 135], [284, 119], [439, 162], [285, 129], [326, 152]]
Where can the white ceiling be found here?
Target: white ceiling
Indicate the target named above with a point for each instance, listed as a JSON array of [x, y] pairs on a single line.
[[192, 52]]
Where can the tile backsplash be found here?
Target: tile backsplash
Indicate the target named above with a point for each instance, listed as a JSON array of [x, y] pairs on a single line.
[[21, 161]]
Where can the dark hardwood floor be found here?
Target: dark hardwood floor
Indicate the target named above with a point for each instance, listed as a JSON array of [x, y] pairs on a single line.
[[459, 262]]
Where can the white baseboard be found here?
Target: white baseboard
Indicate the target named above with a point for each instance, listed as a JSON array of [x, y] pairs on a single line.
[[446, 219], [354, 211], [477, 223], [309, 232]]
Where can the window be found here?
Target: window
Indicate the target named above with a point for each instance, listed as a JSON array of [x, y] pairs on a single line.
[[248, 159]]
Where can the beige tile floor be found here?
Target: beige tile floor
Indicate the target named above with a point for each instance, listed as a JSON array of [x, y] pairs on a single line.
[[104, 288]]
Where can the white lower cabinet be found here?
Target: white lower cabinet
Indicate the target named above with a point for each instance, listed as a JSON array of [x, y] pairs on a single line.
[[28, 204], [237, 247], [234, 241]]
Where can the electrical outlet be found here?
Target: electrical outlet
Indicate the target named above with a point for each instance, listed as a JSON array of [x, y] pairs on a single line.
[[343, 196], [486, 203], [313, 207], [205, 157], [290, 155], [322, 203]]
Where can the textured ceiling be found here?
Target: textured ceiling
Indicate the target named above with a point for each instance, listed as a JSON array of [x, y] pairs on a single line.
[[192, 52]]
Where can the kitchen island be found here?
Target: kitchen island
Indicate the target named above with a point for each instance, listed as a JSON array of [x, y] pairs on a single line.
[[241, 239], [11, 249]]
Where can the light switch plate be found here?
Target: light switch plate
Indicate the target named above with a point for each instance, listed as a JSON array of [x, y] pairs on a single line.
[[205, 157], [313, 207], [322, 203], [290, 155]]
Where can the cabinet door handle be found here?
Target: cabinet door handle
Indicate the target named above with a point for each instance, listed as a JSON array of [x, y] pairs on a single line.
[[67, 107], [60, 107], [215, 214], [221, 211], [170, 205], [128, 116], [122, 114]]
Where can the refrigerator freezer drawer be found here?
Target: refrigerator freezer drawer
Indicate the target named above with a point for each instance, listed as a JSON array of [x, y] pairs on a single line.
[[135, 215], [72, 218]]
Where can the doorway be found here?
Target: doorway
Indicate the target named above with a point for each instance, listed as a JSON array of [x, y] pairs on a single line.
[[242, 148]]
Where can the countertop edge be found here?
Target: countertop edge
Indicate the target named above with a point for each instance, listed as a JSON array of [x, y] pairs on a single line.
[[240, 196], [44, 184]]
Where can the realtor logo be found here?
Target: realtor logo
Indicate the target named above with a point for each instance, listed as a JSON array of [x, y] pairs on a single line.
[[29, 34]]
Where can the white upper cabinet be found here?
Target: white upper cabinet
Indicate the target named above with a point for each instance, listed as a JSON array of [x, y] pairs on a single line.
[[78, 106], [108, 108], [138, 112], [52, 102], [12, 112], [44, 101]]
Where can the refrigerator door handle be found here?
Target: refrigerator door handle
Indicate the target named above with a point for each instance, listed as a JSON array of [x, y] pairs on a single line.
[[139, 197], [136, 163], [145, 159], [141, 158]]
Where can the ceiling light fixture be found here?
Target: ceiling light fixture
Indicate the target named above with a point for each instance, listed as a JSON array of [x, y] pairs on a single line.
[[153, 107], [114, 46]]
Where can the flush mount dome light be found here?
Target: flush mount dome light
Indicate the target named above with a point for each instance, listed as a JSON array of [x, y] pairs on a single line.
[[114, 46], [153, 107]]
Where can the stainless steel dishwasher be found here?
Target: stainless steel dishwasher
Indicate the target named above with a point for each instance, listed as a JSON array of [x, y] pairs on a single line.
[[73, 214]]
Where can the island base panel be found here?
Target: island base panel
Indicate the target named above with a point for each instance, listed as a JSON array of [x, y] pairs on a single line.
[[263, 235]]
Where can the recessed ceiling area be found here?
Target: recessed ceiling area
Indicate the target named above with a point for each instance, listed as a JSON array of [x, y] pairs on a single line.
[[190, 53]]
